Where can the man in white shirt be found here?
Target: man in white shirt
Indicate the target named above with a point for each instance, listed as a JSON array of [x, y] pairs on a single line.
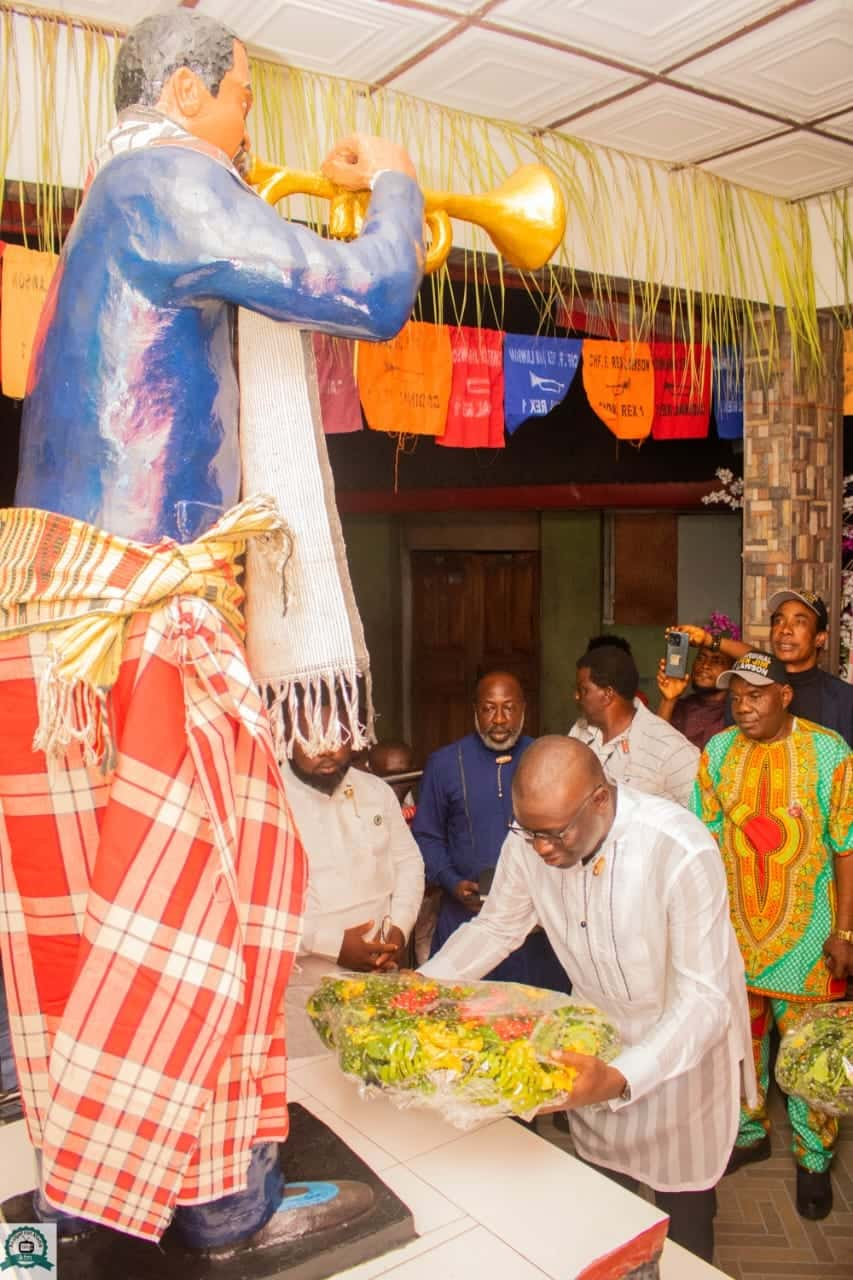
[[633, 745], [365, 877], [630, 889]]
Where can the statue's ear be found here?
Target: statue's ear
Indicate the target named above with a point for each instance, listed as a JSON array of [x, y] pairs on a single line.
[[185, 89]]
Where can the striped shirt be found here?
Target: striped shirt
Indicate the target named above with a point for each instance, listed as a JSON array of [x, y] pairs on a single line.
[[649, 755], [647, 939]]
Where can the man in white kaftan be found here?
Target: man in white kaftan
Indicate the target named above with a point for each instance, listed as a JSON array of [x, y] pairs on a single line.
[[631, 893], [365, 877]]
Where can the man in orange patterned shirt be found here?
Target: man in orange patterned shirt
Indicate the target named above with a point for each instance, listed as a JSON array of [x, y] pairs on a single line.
[[777, 793]]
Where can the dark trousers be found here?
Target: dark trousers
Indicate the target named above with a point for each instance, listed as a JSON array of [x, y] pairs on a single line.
[[206, 1226], [691, 1213]]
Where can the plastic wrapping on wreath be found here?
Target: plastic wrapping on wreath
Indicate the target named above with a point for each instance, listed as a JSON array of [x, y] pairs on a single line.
[[468, 1050], [815, 1059]]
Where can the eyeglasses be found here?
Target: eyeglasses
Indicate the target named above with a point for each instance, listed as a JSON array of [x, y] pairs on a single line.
[[553, 837]]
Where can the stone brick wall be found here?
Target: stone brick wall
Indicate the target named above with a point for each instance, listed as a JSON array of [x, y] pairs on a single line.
[[792, 479]]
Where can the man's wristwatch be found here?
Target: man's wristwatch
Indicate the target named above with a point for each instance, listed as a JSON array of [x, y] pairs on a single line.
[[846, 935]]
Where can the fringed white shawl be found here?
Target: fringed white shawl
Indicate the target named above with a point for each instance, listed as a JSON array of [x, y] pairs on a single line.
[[305, 640]]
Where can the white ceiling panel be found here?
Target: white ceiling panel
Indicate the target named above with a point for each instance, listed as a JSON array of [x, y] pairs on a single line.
[[800, 66], [841, 125], [496, 75], [650, 34], [360, 41], [104, 11], [500, 60], [798, 164], [669, 124]]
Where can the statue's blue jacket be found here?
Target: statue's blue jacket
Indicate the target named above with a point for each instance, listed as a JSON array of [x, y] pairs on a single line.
[[131, 416]]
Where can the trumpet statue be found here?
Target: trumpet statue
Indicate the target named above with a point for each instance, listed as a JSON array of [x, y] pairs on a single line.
[[525, 217]]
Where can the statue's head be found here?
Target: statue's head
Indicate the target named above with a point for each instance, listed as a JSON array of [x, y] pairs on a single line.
[[191, 68]]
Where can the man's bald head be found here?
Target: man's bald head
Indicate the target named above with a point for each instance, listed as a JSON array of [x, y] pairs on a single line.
[[556, 764], [560, 791], [499, 710]]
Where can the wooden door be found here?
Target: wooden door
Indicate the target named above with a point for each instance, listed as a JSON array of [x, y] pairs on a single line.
[[472, 612]]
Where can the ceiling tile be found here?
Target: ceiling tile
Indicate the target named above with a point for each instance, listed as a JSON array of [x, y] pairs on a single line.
[[644, 33], [496, 75], [799, 66], [336, 37], [669, 124], [842, 125], [798, 164], [104, 11]]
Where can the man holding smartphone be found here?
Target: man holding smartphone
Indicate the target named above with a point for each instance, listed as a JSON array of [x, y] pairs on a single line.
[[799, 622], [700, 713]]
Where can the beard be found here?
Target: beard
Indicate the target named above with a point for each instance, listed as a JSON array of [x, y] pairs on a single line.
[[326, 783], [493, 745]]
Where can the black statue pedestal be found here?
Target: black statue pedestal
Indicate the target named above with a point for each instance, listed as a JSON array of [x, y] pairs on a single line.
[[312, 1153]]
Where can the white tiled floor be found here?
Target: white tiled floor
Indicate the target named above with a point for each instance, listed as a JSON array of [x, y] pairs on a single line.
[[496, 1201]]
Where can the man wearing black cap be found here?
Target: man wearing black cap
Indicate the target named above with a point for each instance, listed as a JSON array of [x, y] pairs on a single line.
[[776, 791], [798, 626]]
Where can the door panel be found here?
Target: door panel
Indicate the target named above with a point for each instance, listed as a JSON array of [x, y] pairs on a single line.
[[472, 612]]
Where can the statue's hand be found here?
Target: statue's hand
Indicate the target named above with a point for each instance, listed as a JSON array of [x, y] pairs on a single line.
[[354, 162]]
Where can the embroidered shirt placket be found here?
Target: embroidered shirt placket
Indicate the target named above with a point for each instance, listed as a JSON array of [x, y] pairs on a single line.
[[612, 921], [585, 925]]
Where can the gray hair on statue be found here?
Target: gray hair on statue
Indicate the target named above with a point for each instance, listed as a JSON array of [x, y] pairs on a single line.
[[157, 47]]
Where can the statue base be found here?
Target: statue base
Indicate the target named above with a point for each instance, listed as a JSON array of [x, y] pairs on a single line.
[[312, 1153]]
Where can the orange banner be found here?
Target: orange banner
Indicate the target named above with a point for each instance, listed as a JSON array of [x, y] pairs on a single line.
[[26, 280], [848, 372], [619, 381], [404, 384]]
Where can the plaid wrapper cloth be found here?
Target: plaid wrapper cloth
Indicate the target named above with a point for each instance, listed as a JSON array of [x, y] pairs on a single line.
[[83, 585], [149, 916]]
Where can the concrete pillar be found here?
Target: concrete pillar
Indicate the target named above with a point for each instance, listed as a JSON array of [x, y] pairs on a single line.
[[792, 479]]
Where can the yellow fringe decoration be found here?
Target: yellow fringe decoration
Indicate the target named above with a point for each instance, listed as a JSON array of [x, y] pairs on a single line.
[[650, 237]]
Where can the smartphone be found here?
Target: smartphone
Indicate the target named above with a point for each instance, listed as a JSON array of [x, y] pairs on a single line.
[[487, 875], [677, 648]]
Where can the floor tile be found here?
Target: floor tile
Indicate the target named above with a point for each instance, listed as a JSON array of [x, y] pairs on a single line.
[[375, 1156], [17, 1160], [430, 1208], [424, 1244], [404, 1134], [527, 1193], [474, 1255]]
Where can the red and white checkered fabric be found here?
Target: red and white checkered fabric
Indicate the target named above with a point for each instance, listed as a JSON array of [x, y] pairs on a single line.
[[148, 921]]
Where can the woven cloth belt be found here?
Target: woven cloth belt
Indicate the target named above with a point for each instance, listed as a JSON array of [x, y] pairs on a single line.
[[82, 585]]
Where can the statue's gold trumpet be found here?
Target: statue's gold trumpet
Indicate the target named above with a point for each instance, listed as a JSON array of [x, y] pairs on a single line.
[[525, 216]]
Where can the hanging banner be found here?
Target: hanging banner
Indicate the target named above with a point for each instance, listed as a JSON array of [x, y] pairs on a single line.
[[682, 391], [537, 375], [848, 372], [26, 280], [475, 417], [340, 409], [728, 392], [619, 381], [404, 384]]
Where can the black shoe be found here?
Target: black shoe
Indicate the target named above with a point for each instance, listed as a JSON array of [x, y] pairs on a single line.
[[753, 1154], [307, 1208], [814, 1194]]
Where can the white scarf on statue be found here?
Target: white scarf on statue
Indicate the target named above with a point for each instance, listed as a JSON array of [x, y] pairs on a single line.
[[308, 648]]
